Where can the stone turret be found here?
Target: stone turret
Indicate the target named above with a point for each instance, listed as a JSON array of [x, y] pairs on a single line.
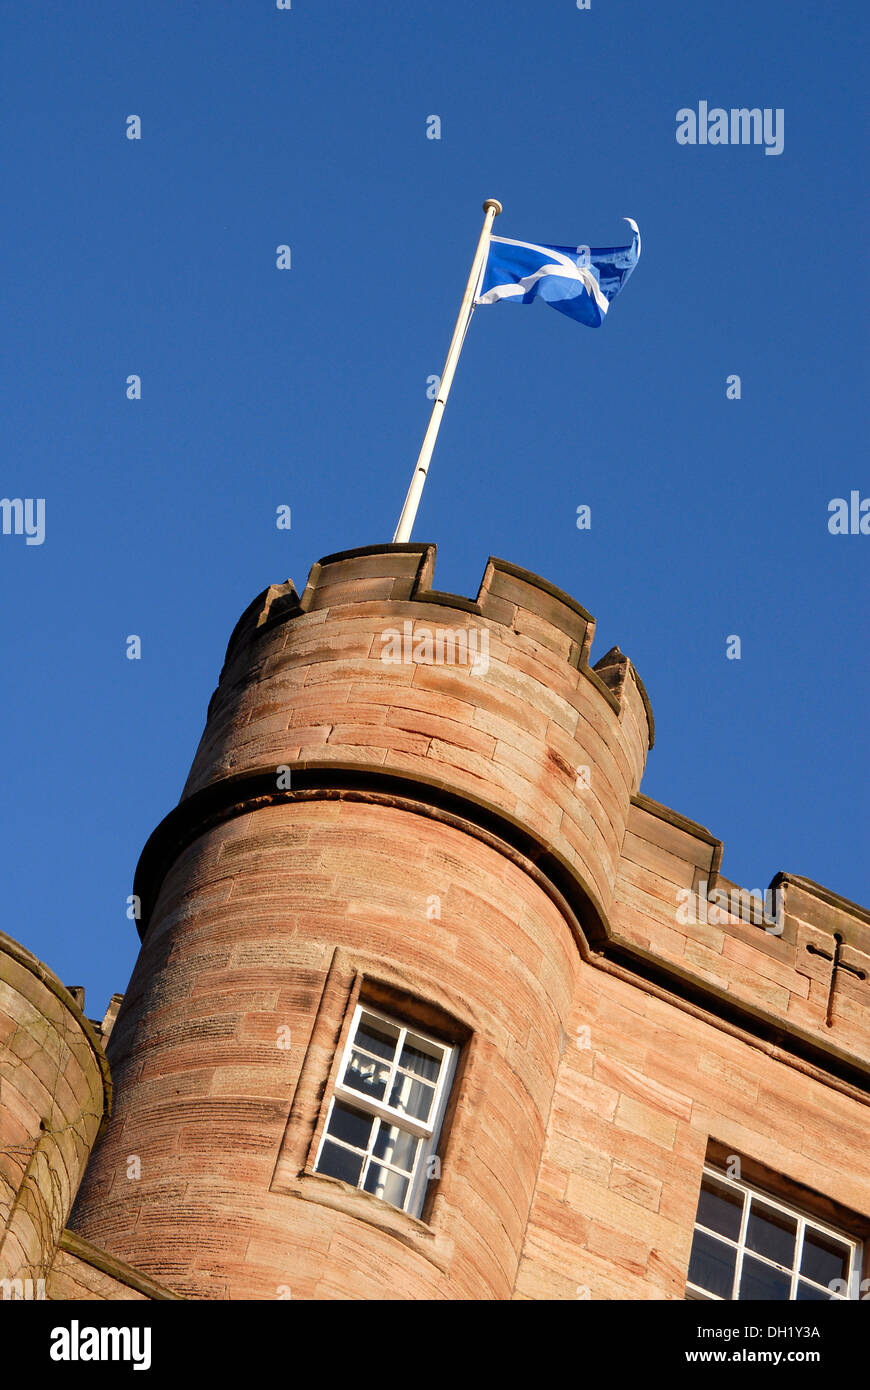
[[402, 798]]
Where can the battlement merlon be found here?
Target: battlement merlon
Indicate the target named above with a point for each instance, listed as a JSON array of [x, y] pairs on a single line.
[[686, 855], [509, 596]]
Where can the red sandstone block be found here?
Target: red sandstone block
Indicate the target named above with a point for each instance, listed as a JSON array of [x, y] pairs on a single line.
[[280, 688], [544, 633], [330, 714], [504, 719], [384, 564], [374, 737], [577, 1093], [753, 987], [595, 710], [494, 1229], [265, 724], [651, 1123], [342, 753], [621, 1250], [410, 697], [348, 622], [595, 817], [561, 1220], [668, 1272], [290, 893], [527, 654], [556, 1256], [440, 751], [449, 857], [600, 801], [730, 1078], [709, 964], [663, 884], [301, 622], [363, 670], [535, 1282], [352, 591], [552, 1180], [529, 691], [458, 734], [456, 778], [526, 594], [597, 744], [545, 813], [455, 683], [635, 741], [618, 1206], [636, 1186], [528, 756], [640, 1086], [300, 736], [284, 837], [303, 697], [587, 846]]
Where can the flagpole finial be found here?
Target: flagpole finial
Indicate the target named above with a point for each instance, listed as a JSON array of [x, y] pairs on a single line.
[[493, 203]]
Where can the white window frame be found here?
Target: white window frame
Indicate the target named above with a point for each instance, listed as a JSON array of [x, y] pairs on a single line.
[[749, 1191], [428, 1131]]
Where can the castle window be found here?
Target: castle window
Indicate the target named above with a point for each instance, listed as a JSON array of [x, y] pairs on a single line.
[[386, 1110], [747, 1245]]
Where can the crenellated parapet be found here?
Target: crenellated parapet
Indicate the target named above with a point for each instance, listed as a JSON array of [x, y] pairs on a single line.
[[491, 699], [789, 961]]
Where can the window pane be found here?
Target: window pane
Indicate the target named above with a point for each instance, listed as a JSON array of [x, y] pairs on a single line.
[[412, 1097], [762, 1281], [376, 1037], [420, 1063], [823, 1258], [396, 1146], [771, 1233], [805, 1292], [712, 1265], [353, 1126], [720, 1208], [340, 1163], [391, 1187], [366, 1075]]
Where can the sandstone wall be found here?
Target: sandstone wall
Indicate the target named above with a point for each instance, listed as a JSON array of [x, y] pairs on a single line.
[[54, 1089]]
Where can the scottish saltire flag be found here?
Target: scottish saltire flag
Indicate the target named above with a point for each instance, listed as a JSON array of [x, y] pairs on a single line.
[[580, 281]]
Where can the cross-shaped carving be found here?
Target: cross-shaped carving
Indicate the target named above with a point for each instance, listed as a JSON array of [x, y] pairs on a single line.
[[836, 964]]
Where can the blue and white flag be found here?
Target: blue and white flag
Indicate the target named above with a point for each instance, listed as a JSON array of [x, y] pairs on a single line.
[[579, 281]]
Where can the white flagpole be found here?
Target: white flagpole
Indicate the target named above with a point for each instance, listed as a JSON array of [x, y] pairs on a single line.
[[492, 207]]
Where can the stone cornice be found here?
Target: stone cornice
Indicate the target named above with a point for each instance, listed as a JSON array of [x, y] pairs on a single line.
[[597, 940], [89, 1254]]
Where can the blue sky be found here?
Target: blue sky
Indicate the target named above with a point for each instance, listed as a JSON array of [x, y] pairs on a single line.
[[307, 387]]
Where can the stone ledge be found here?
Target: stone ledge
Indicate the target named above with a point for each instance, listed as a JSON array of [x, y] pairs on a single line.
[[331, 1192], [598, 941], [125, 1274]]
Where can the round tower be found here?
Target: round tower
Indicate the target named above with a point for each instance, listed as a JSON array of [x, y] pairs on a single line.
[[54, 1092], [361, 927]]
